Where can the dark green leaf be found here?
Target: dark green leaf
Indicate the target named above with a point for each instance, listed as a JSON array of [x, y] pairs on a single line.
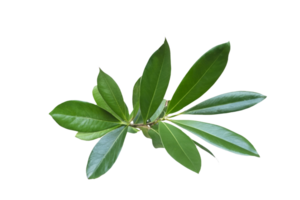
[[138, 118], [219, 136], [83, 116], [226, 103], [105, 153], [112, 95], [203, 148], [180, 146], [204, 73], [87, 136], [102, 104], [155, 81]]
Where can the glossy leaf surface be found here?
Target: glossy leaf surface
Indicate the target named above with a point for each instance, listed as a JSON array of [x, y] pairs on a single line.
[[207, 150], [105, 153], [136, 97], [204, 73], [112, 95], [226, 103], [219, 136], [155, 81], [180, 146], [154, 134], [102, 104], [83, 116], [87, 136]]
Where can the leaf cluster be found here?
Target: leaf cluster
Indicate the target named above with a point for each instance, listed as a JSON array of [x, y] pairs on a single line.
[[151, 114]]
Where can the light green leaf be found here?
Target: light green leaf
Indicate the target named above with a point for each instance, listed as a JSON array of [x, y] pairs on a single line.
[[105, 153], [207, 150], [204, 73], [155, 81], [156, 140], [180, 146], [112, 95], [88, 136], [83, 116], [226, 103], [158, 111], [136, 98], [102, 104], [219, 136]]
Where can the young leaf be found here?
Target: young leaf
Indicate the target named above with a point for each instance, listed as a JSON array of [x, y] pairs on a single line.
[[180, 146], [156, 140], [207, 150], [83, 116], [135, 97], [155, 81], [226, 103], [102, 104], [204, 73], [105, 153], [219, 136], [112, 95], [88, 136]]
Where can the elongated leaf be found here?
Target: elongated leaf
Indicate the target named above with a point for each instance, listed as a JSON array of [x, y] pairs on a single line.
[[154, 134], [102, 104], [226, 103], [180, 146], [105, 153], [83, 116], [207, 150], [219, 136], [204, 73], [158, 111], [155, 81], [88, 136], [136, 98], [112, 95]]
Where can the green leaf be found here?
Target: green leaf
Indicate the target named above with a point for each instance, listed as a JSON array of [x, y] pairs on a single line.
[[180, 146], [112, 95], [88, 136], [138, 118], [154, 134], [83, 116], [207, 150], [155, 81], [136, 98], [105, 153], [219, 136], [145, 130], [158, 111], [132, 130], [102, 104], [226, 103], [204, 73]]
